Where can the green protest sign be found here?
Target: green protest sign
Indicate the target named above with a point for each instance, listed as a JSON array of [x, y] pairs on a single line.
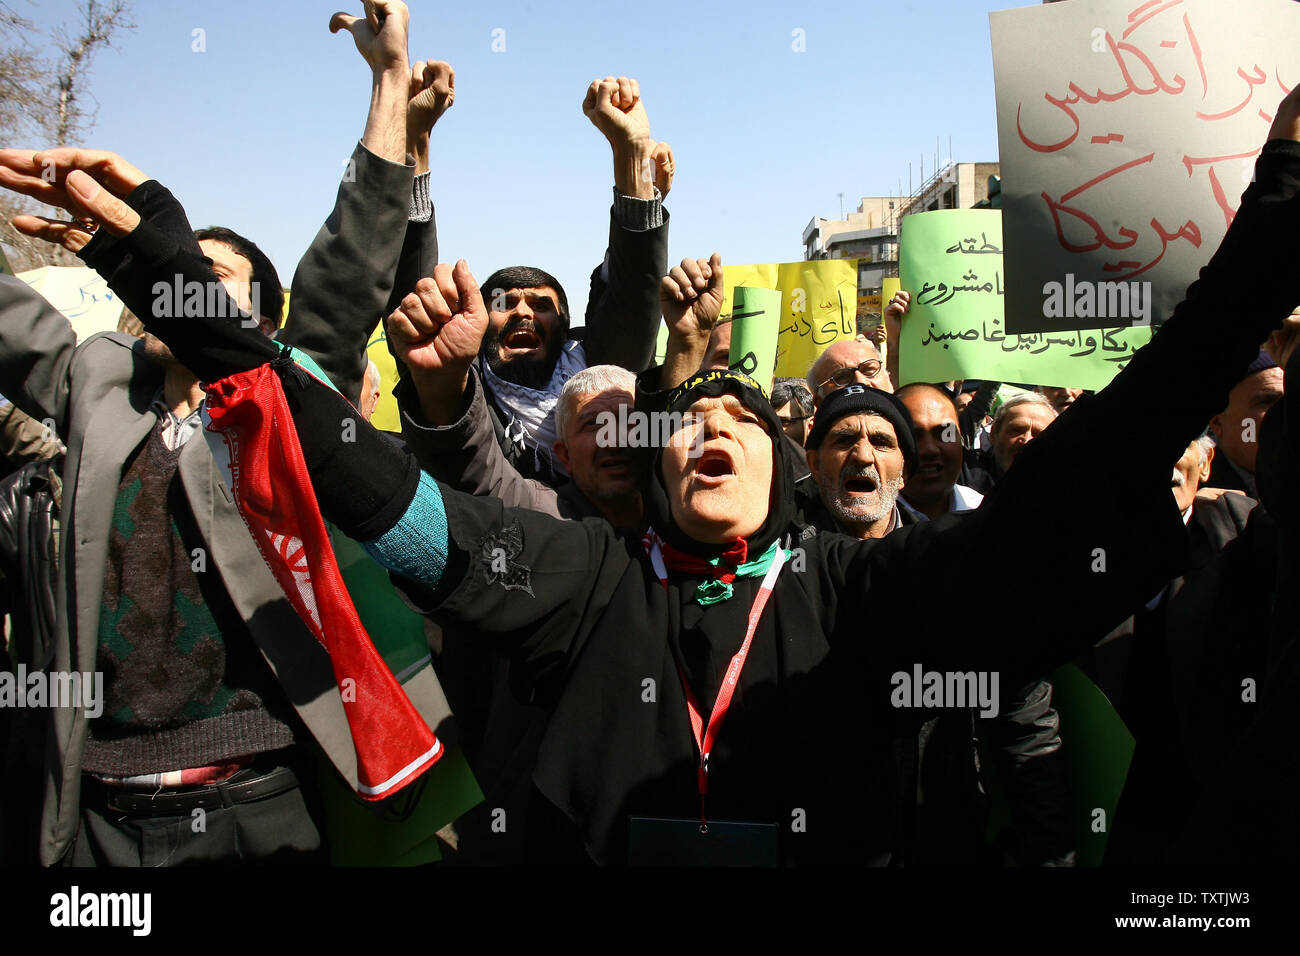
[[951, 262], [756, 318]]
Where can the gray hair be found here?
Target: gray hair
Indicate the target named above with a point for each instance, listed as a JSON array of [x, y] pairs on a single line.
[[1204, 443], [1025, 398], [373, 371], [595, 378], [793, 390]]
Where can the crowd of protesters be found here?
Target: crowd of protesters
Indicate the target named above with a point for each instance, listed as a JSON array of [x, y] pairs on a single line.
[[595, 606]]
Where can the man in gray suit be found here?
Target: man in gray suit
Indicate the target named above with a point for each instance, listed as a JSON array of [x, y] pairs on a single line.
[[212, 688]]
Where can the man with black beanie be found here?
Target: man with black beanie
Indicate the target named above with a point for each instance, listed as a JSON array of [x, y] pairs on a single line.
[[860, 452]]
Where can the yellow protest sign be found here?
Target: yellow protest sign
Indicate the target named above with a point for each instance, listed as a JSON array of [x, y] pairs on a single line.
[[889, 287], [385, 417], [819, 302]]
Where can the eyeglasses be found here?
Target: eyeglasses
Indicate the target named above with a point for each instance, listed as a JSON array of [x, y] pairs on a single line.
[[847, 375]]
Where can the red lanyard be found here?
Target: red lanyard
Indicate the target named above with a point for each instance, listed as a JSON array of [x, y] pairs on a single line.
[[705, 737]]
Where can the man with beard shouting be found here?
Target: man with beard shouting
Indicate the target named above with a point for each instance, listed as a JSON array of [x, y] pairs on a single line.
[[528, 353]]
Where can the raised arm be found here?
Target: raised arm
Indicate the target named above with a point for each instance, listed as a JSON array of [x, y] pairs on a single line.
[[895, 309], [972, 416], [432, 93], [622, 316], [691, 299], [345, 279]]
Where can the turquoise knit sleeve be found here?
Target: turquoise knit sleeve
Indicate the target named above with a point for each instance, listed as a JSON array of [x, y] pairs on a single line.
[[416, 547]]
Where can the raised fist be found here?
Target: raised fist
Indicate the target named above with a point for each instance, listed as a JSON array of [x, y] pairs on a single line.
[[691, 296], [433, 91], [439, 327], [614, 107]]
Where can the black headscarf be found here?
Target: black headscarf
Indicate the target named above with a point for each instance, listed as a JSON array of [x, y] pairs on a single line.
[[785, 468]]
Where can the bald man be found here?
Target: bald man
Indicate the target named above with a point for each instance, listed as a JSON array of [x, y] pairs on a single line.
[[847, 363]]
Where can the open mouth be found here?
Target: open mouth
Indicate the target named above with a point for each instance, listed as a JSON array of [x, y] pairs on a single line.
[[522, 340], [930, 470], [861, 485], [614, 463], [715, 467]]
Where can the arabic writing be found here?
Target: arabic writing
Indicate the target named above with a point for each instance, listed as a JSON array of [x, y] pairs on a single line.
[[826, 330], [957, 326], [1159, 55], [1083, 342]]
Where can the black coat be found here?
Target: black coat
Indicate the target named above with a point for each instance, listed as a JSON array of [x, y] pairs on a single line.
[[1175, 672], [811, 732]]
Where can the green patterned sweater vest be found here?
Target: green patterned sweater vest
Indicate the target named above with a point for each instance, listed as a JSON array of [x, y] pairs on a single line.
[[184, 685]]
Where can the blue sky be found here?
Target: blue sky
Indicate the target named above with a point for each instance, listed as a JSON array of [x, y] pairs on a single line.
[[253, 133]]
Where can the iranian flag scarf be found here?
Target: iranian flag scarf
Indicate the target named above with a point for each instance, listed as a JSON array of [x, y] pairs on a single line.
[[273, 492]]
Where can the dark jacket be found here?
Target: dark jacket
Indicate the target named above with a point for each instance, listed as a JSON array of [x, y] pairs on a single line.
[[1174, 673], [1225, 474], [28, 573]]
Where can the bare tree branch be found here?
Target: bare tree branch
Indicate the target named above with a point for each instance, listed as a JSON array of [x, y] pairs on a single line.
[[41, 104], [100, 23]]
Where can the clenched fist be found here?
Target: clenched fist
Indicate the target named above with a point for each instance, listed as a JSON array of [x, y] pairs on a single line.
[[614, 107], [437, 331], [691, 296], [641, 164], [433, 91]]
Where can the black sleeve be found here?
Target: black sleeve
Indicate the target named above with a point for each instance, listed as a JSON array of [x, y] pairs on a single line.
[[363, 485], [623, 307], [1026, 751], [417, 260], [533, 584]]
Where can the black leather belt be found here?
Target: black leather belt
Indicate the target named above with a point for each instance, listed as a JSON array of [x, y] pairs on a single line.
[[170, 803]]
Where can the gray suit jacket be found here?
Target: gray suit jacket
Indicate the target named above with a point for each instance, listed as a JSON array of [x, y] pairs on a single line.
[[98, 395]]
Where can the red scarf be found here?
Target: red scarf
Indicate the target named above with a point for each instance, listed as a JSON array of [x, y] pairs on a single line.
[[271, 487], [724, 570]]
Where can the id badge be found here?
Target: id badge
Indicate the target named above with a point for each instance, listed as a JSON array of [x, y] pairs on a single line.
[[659, 841]]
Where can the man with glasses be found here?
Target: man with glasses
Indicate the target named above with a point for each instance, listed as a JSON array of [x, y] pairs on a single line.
[[847, 363], [794, 407]]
